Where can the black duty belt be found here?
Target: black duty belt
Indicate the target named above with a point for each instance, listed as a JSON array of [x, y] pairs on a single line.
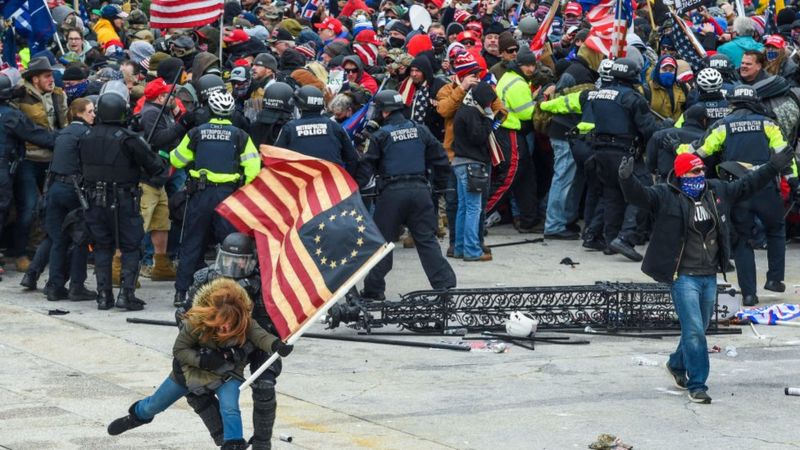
[[404, 178], [67, 179]]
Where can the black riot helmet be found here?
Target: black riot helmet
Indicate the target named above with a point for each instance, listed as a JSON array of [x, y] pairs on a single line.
[[743, 96], [724, 65], [388, 100], [207, 84], [279, 96], [309, 98], [236, 257], [6, 87], [112, 109], [625, 69]]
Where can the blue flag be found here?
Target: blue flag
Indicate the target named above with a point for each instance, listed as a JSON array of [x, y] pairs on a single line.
[[9, 47], [355, 123], [32, 20]]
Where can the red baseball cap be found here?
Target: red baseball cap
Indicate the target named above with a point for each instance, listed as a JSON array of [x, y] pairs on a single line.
[[686, 162], [368, 37], [155, 88], [236, 36], [776, 41], [573, 9], [330, 23]]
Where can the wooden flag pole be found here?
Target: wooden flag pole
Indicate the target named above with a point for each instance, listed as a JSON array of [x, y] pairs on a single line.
[[221, 36], [338, 295]]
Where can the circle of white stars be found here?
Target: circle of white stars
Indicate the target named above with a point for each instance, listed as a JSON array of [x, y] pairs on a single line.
[[360, 228]]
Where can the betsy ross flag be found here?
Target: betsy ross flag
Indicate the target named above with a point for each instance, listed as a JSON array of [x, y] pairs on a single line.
[[184, 13], [538, 41], [610, 20], [686, 44], [312, 232]]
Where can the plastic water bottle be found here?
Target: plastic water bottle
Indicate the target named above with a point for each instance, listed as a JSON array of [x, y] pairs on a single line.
[[731, 351]]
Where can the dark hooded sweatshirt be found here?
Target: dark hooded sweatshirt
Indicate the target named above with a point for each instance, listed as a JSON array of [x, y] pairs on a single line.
[[433, 120], [364, 79]]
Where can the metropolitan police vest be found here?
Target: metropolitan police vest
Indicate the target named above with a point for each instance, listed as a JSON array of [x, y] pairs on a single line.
[[745, 139], [104, 157], [609, 115], [716, 109], [217, 148], [313, 136], [404, 151]]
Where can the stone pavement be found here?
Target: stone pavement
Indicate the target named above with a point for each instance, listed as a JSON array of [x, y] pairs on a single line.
[[63, 378]]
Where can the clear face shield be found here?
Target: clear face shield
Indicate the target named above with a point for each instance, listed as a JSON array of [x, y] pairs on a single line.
[[233, 265]]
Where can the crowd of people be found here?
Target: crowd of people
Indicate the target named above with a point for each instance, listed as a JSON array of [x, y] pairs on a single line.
[[453, 117]]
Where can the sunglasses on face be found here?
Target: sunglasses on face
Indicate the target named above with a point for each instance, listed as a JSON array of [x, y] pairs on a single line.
[[353, 70], [468, 44], [512, 50]]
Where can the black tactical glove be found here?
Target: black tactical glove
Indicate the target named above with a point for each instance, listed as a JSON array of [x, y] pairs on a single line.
[[626, 168], [211, 359], [187, 120], [667, 123], [281, 348], [671, 141]]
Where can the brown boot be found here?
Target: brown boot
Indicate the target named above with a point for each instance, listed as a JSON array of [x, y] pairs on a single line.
[[116, 271], [162, 268]]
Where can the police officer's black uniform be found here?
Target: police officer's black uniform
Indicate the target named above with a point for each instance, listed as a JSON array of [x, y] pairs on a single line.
[[112, 161], [264, 400], [15, 129], [315, 135], [276, 111], [401, 154], [620, 121]]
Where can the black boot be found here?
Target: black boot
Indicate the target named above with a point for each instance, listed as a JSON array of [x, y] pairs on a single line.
[[207, 407], [29, 280], [79, 293], [236, 444], [750, 300], [105, 300], [126, 423], [127, 300], [180, 299], [55, 293]]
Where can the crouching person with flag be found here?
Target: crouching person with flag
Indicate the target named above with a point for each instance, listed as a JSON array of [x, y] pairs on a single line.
[[210, 352], [689, 245]]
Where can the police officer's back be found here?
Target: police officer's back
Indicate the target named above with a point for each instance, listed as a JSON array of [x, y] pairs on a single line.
[[113, 159], [220, 158], [277, 110], [315, 135], [15, 129], [401, 154]]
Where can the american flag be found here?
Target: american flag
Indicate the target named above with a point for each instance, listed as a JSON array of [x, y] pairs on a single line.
[[770, 24], [184, 13], [686, 44], [312, 233], [538, 41], [310, 8], [610, 20]]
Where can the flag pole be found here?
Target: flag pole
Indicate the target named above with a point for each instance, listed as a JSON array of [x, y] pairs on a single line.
[[338, 295], [58, 41], [221, 35]]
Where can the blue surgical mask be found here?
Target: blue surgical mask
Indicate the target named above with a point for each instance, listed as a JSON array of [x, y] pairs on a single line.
[[693, 186], [666, 79], [772, 55]]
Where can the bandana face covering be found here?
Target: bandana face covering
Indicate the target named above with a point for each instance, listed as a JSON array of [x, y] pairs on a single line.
[[693, 186], [76, 90]]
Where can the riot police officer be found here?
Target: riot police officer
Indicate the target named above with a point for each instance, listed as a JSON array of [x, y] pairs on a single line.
[[401, 154], [619, 120], [220, 158], [112, 161], [206, 85], [15, 129], [278, 108], [236, 258], [747, 136], [315, 135], [709, 95]]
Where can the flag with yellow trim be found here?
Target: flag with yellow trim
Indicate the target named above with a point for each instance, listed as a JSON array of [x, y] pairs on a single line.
[[312, 232]]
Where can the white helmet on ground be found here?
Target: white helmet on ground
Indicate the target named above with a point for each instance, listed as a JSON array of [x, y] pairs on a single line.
[[709, 80], [520, 324], [221, 103]]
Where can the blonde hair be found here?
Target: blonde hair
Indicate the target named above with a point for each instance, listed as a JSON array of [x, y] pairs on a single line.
[[221, 302], [78, 106]]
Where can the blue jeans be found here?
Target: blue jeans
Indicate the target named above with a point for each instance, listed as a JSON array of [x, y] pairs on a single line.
[[28, 184], [565, 189], [169, 392], [468, 216], [694, 298]]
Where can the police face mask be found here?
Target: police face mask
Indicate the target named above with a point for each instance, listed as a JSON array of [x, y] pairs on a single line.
[[396, 42], [76, 90], [693, 186], [772, 55], [666, 79]]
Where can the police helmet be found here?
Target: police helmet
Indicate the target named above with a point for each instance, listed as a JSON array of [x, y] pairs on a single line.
[[723, 64], [604, 69], [625, 69], [709, 80], [6, 87], [279, 96], [388, 100], [743, 95], [207, 84], [528, 25], [236, 256], [221, 103], [112, 109], [309, 98]]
